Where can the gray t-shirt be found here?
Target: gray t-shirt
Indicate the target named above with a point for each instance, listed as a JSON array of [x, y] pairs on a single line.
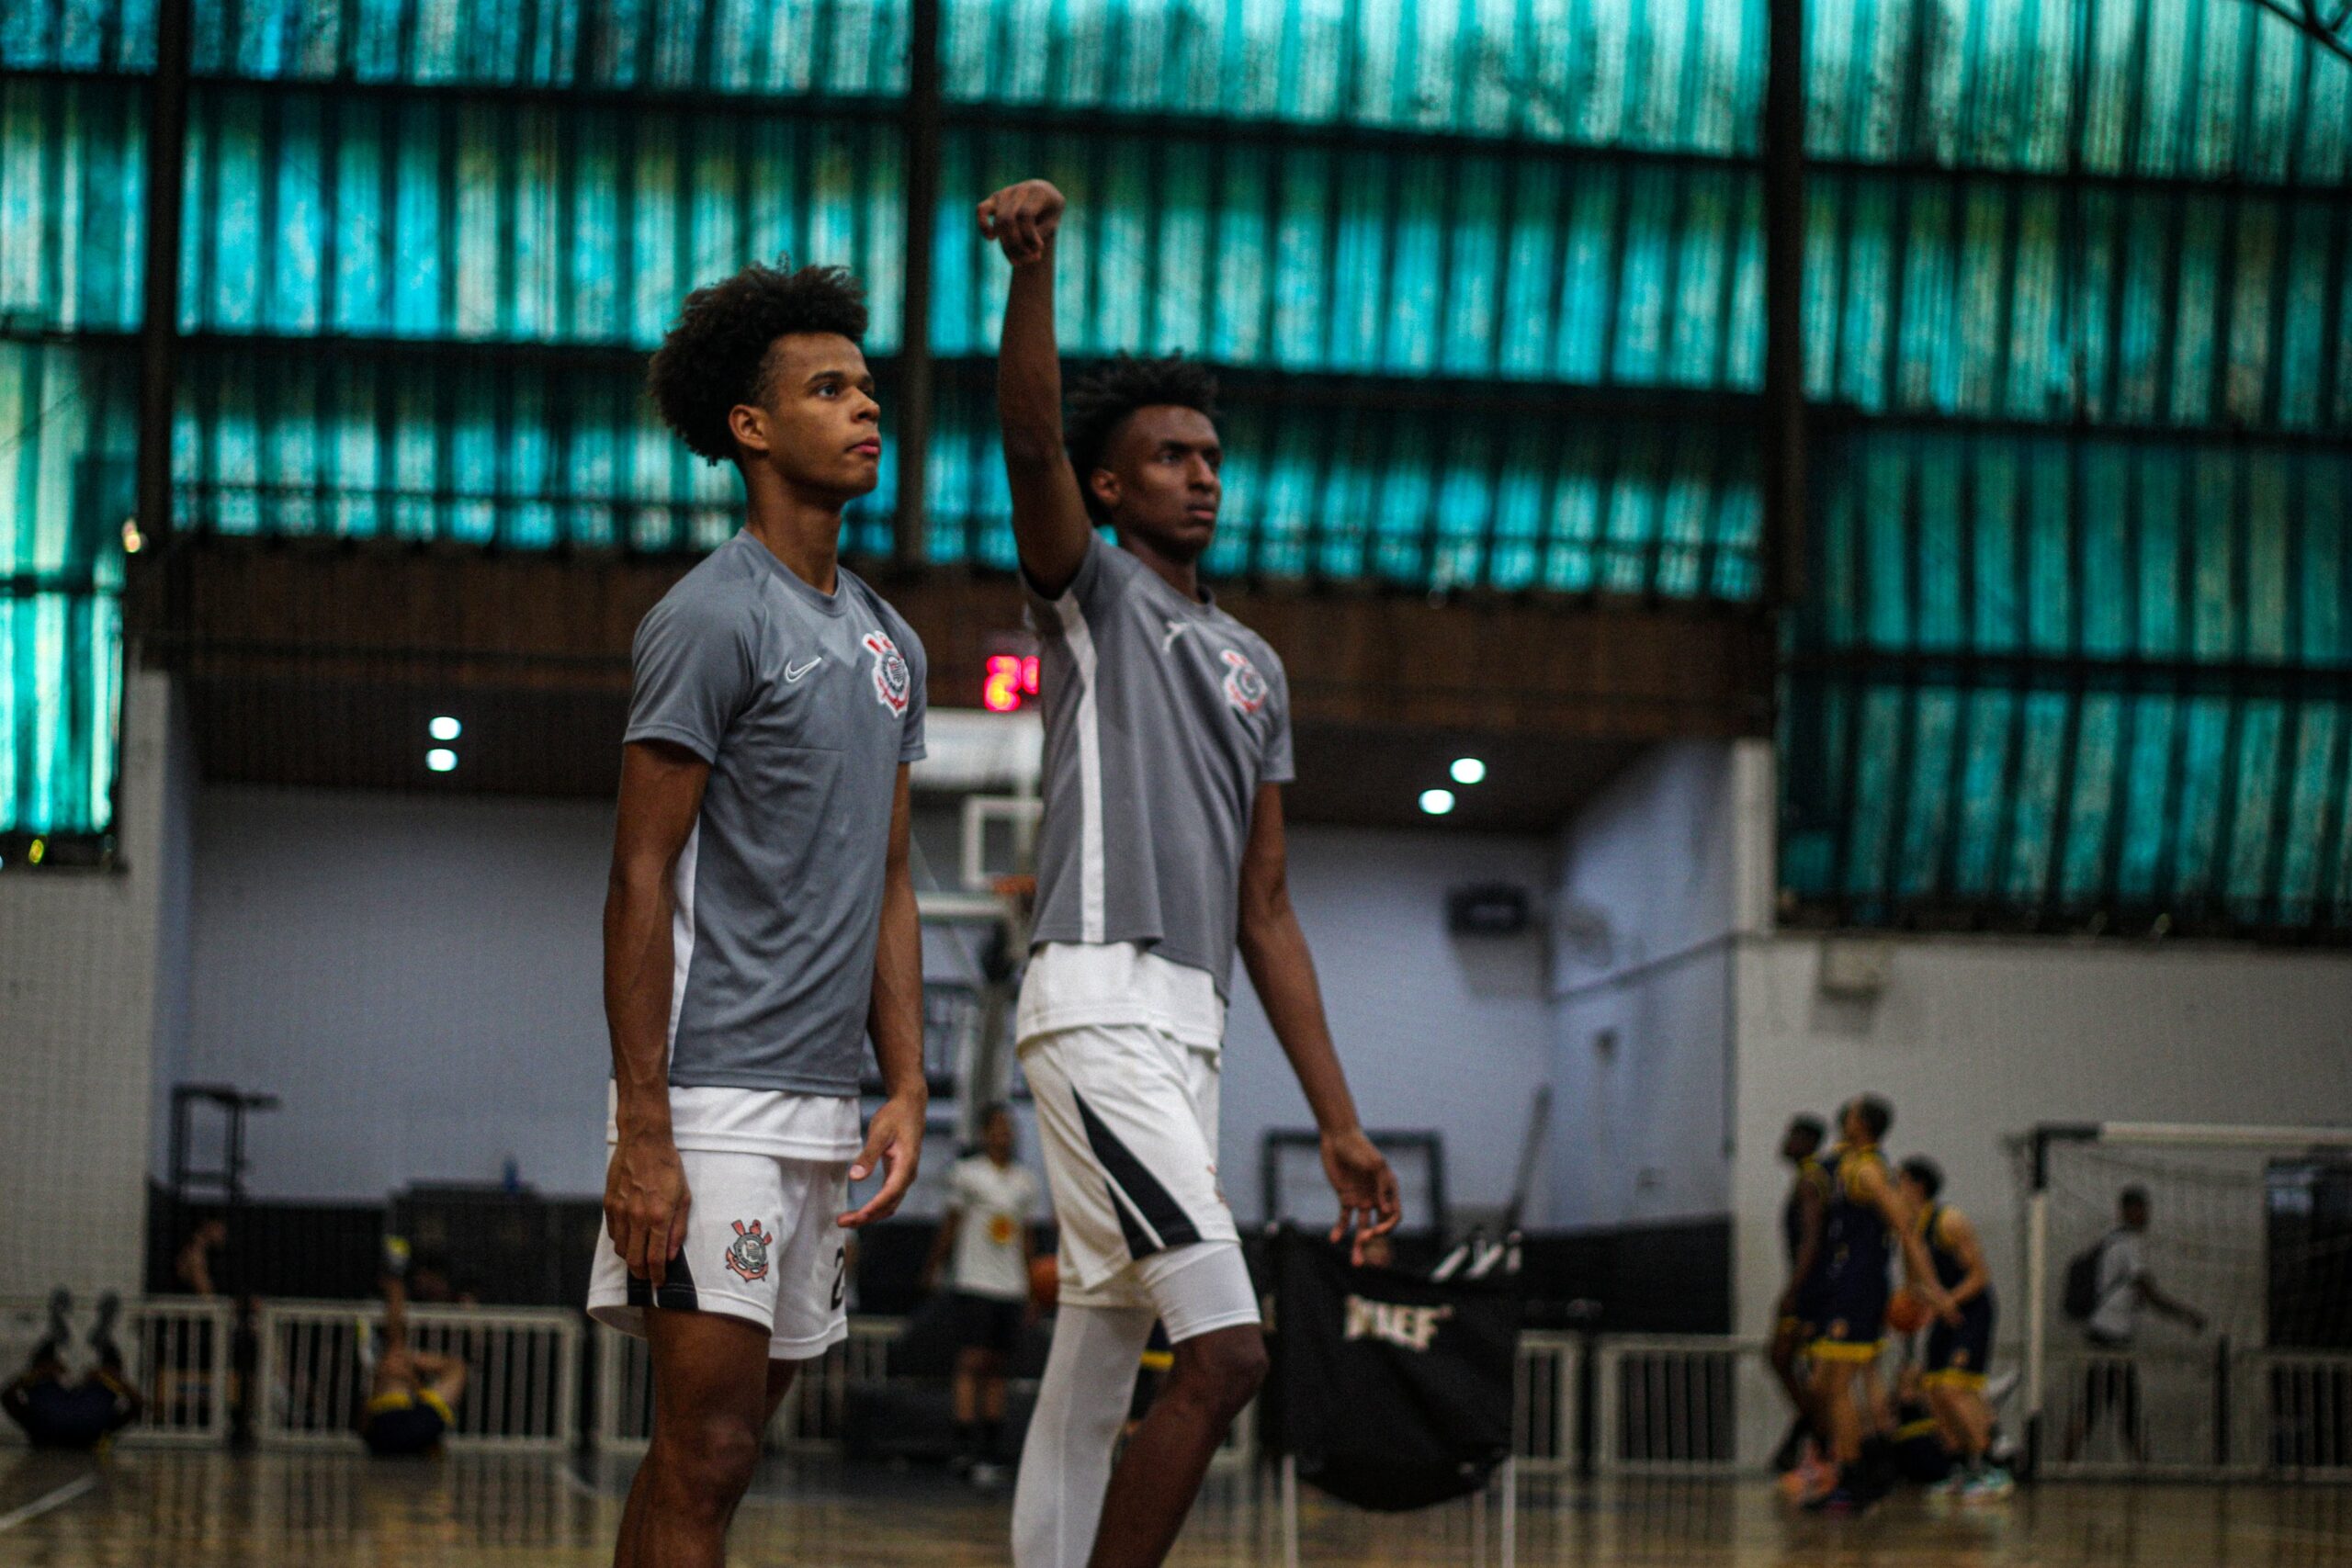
[[1163, 716], [804, 707]]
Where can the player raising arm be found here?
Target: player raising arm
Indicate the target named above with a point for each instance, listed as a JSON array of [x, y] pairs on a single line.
[[1167, 742]]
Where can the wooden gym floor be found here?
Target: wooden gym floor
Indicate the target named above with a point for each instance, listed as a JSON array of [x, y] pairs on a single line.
[[165, 1508]]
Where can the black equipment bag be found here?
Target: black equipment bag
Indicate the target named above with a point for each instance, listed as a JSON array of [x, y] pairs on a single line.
[[1391, 1391]]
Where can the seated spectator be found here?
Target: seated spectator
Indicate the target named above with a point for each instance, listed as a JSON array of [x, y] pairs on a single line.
[[59, 1412]]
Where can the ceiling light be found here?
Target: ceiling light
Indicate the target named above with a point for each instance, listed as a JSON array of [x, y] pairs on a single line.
[[447, 728], [1468, 770], [1437, 802], [441, 760]]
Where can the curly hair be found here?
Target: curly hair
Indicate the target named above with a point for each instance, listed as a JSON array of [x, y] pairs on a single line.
[[716, 354], [1102, 402]]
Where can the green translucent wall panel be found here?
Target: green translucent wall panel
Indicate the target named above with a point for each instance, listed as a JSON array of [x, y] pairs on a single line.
[[62, 498], [1930, 802], [396, 442], [1505, 497], [2049, 304], [2197, 89], [314, 213], [1442, 262], [775, 47], [1684, 77], [2044, 549], [2073, 680], [61, 673]]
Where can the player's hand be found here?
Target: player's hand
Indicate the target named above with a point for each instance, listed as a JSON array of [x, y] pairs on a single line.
[[1368, 1201], [1950, 1314], [646, 1203], [894, 1143], [1023, 218]]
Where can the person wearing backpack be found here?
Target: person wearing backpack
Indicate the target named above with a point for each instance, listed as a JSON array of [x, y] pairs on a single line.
[[2107, 1285]]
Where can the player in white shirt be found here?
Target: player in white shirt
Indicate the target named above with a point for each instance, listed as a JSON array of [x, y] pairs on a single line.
[[985, 1248], [2124, 1286]]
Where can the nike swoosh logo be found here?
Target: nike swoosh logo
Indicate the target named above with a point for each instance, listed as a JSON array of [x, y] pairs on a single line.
[[1175, 630], [792, 674]]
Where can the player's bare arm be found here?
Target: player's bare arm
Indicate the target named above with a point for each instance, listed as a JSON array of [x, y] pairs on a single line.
[[1960, 1236], [1918, 1269], [894, 1138], [1813, 1207], [646, 1199], [1049, 522], [1275, 949], [2156, 1300]]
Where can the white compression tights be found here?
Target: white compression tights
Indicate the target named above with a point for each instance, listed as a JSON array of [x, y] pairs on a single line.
[[1090, 1382], [1082, 1403]]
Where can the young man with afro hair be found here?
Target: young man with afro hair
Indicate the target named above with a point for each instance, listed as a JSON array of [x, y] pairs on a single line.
[[760, 915], [1167, 744]]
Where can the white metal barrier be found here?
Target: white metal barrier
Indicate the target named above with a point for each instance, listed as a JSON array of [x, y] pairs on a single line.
[[809, 1417], [175, 1352], [2191, 1413], [1544, 1402], [1667, 1403], [2301, 1403], [522, 1373]]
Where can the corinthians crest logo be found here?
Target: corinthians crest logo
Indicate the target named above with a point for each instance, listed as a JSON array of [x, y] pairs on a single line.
[[892, 683], [1244, 687], [747, 1254]]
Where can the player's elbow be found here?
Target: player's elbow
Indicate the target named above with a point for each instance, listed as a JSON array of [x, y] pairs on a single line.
[[1032, 446]]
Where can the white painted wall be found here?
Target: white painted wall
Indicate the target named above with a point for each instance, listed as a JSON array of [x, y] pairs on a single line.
[[77, 1012], [1649, 896], [418, 978], [1435, 1031]]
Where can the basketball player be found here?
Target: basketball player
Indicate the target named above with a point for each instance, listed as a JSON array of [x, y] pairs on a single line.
[[1799, 1316], [1167, 743], [413, 1394], [984, 1247], [1867, 1218], [760, 921], [1954, 1378]]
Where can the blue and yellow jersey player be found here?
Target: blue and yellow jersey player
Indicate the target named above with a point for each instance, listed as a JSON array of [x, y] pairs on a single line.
[[1797, 1314], [1867, 1219], [1954, 1378]]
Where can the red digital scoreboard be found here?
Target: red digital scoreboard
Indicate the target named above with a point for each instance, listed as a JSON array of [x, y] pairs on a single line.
[[1010, 681]]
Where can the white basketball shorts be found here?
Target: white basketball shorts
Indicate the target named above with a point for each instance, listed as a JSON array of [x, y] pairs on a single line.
[[761, 1245], [1126, 1116]]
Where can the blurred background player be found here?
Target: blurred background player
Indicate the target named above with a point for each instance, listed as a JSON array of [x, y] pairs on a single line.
[[413, 1394], [1798, 1317], [1866, 1221], [1168, 740], [985, 1248], [2122, 1287], [60, 1412], [1952, 1377]]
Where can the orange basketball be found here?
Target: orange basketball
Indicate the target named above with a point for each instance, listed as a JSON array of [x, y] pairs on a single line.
[[1908, 1313], [1045, 1282]]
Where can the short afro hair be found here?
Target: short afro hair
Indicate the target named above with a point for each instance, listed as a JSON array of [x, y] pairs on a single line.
[[715, 355], [1102, 402]]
